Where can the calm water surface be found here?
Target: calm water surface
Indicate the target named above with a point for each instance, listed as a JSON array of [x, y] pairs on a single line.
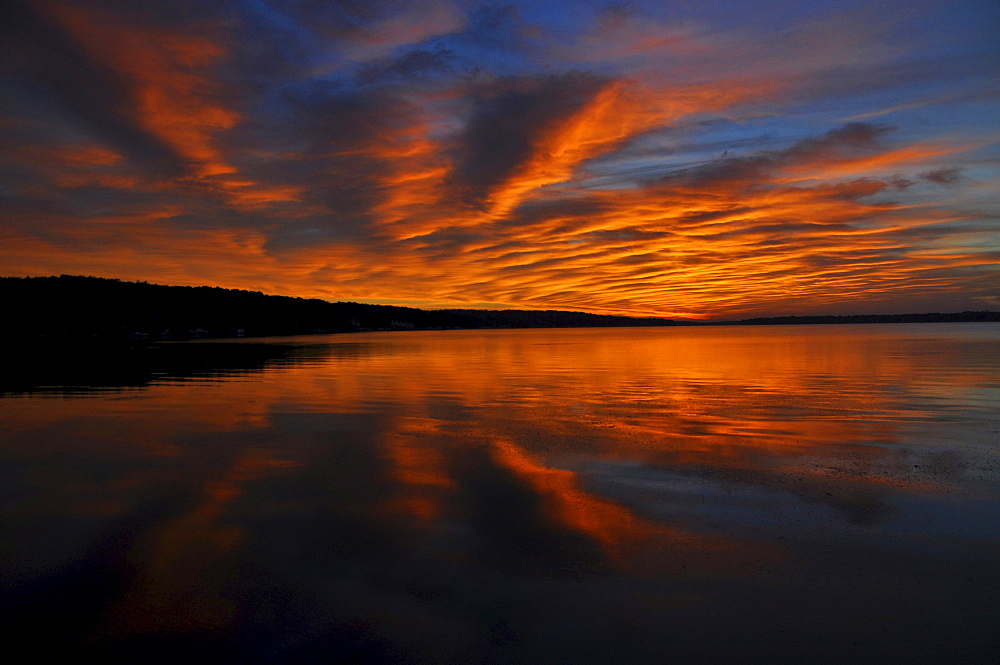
[[797, 494]]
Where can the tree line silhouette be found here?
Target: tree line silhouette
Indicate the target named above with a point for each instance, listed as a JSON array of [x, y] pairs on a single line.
[[76, 308], [71, 308]]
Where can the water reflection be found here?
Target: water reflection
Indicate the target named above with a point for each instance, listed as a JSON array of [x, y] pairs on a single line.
[[81, 370], [707, 495]]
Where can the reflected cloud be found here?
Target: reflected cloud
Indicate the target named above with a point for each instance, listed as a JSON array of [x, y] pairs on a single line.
[[430, 493], [180, 586]]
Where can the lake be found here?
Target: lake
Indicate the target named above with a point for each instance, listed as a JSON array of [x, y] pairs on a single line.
[[750, 494]]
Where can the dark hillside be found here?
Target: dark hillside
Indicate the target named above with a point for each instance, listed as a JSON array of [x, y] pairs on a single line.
[[71, 308]]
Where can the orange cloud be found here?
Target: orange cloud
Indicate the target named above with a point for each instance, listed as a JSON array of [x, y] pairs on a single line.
[[618, 112], [419, 184], [169, 95], [172, 94]]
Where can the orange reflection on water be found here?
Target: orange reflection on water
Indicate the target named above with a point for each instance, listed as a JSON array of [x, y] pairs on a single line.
[[420, 473], [625, 538], [359, 477], [185, 564], [612, 525]]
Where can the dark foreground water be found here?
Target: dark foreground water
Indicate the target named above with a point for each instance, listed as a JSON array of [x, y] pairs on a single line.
[[813, 494]]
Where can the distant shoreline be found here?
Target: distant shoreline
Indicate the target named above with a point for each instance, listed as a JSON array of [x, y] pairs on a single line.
[[933, 317], [74, 309]]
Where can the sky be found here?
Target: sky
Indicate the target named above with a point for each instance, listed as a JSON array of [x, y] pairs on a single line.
[[680, 159]]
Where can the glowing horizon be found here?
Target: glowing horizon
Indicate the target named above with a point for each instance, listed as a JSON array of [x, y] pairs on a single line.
[[641, 160]]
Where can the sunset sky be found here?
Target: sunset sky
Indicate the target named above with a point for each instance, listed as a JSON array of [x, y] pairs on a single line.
[[680, 159]]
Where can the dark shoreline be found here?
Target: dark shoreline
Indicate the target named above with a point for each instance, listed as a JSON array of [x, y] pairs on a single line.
[[72, 310], [85, 367], [933, 317]]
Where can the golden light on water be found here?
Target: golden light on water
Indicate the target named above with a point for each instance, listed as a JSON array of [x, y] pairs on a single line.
[[562, 481]]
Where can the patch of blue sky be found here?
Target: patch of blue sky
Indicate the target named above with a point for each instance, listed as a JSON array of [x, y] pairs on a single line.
[[675, 149]]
